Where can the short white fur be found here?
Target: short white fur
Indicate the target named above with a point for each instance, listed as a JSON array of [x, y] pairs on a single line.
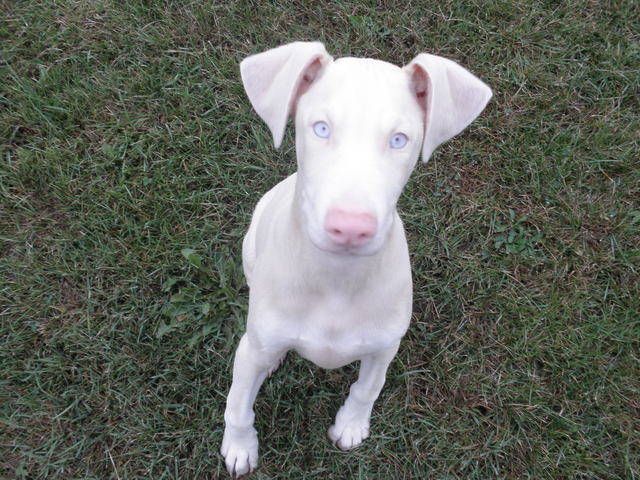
[[332, 303]]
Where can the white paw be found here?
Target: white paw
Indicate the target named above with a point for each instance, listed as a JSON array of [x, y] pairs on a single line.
[[240, 451], [348, 434]]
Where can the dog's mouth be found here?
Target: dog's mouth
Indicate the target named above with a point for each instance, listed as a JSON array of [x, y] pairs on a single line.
[[345, 250]]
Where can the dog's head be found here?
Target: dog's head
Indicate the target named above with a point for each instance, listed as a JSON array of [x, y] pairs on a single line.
[[361, 125]]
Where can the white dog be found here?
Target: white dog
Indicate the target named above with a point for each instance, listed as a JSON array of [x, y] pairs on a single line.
[[325, 256]]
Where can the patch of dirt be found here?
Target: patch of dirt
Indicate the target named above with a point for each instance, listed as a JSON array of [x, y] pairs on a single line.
[[471, 179], [69, 307]]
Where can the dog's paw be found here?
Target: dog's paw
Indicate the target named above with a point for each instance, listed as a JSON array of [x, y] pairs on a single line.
[[349, 434], [240, 451]]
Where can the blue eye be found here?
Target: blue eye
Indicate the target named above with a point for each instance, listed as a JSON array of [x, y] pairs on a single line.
[[398, 140], [321, 129]]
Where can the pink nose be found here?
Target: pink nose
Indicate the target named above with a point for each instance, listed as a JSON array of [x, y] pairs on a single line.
[[350, 228]]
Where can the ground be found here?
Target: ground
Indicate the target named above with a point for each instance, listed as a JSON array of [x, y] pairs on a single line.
[[131, 161]]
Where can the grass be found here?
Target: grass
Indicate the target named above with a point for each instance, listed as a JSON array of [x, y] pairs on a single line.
[[130, 161]]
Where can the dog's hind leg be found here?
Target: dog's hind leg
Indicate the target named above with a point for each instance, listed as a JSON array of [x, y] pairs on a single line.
[[277, 365]]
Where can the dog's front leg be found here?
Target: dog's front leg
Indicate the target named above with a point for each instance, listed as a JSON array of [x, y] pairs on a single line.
[[240, 441], [352, 420]]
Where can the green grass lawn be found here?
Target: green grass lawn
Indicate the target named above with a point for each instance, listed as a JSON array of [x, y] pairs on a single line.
[[130, 161]]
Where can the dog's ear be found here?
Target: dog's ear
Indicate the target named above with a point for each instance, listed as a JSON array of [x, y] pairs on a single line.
[[275, 79], [451, 97]]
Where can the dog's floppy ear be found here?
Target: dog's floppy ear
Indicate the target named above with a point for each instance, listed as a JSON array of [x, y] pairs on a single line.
[[451, 97], [275, 79]]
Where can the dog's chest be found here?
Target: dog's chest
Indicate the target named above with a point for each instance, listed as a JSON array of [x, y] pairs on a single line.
[[337, 330]]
